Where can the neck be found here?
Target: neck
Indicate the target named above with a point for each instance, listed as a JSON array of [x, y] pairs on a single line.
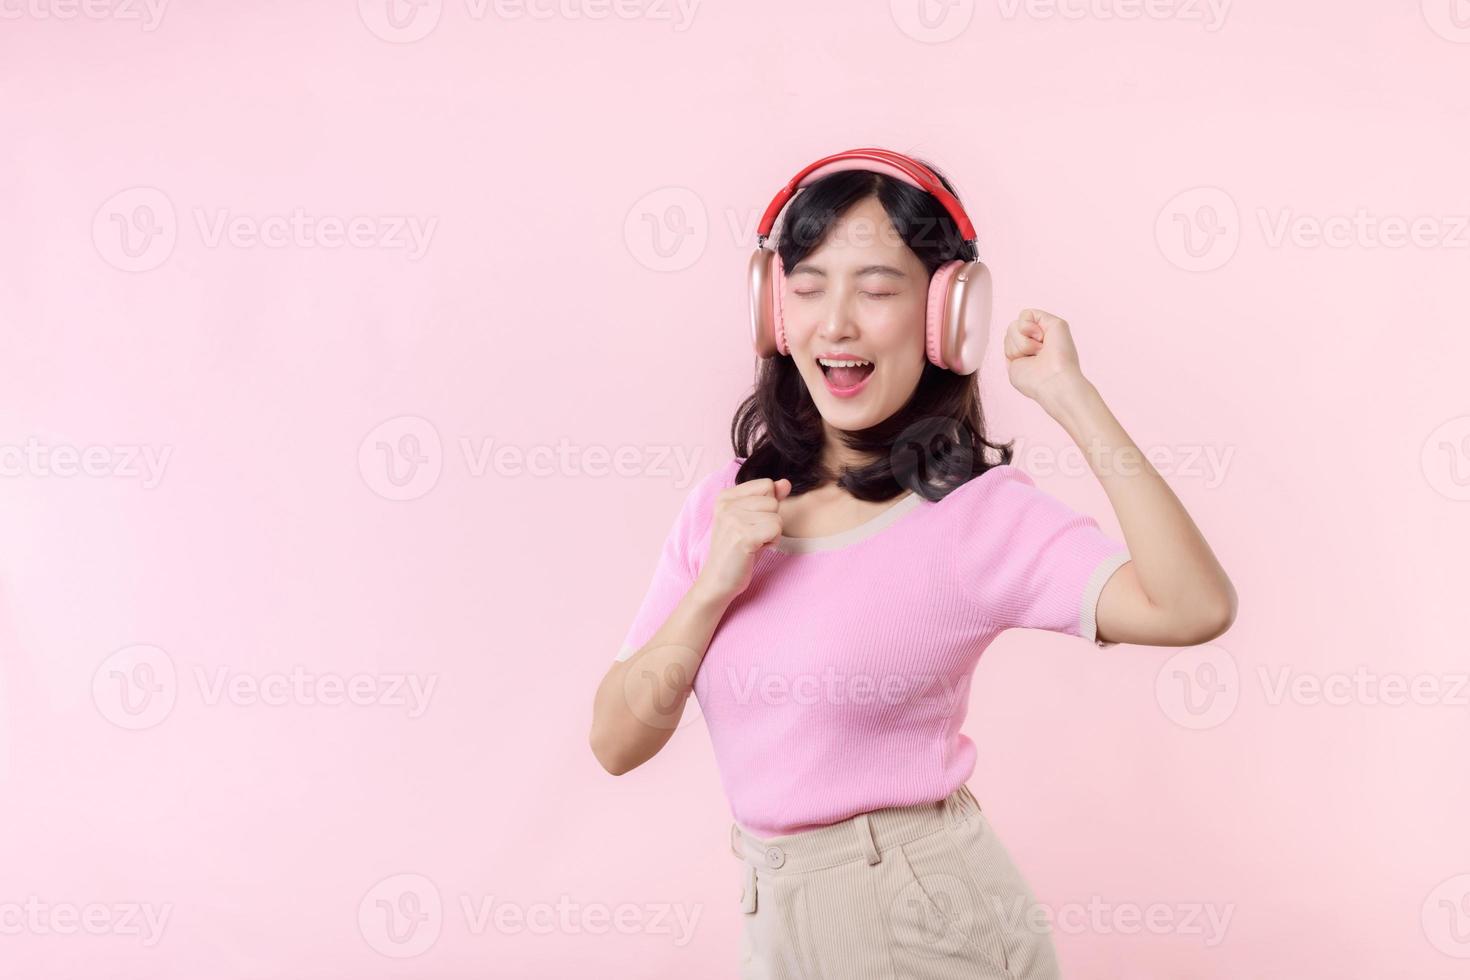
[[836, 456]]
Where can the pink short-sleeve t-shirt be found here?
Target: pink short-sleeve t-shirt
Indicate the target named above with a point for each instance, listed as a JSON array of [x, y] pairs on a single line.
[[837, 682]]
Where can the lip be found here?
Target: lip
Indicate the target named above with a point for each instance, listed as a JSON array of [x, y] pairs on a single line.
[[856, 389]]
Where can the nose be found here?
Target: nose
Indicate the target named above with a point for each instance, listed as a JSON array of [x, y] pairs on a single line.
[[837, 321]]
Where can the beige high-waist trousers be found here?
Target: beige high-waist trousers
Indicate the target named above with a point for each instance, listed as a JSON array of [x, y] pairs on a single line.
[[924, 892]]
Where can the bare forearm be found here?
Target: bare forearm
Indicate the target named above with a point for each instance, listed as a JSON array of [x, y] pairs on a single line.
[[639, 703], [1175, 567]]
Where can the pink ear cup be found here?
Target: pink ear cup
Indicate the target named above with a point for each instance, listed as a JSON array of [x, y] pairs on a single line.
[[964, 334], [934, 313], [762, 301], [957, 320], [778, 317]]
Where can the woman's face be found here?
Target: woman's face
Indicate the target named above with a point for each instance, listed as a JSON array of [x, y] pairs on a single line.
[[860, 295]]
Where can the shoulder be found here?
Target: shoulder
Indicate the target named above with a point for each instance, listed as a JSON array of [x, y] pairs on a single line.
[[700, 501], [1000, 486], [722, 477], [696, 515], [1006, 503]]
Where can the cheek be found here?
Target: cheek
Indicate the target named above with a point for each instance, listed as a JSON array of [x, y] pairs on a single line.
[[894, 327], [899, 328]]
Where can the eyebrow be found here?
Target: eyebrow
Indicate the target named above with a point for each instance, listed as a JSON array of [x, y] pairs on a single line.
[[867, 270]]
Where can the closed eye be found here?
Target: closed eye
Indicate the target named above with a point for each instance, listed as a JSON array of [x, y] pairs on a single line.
[[818, 292]]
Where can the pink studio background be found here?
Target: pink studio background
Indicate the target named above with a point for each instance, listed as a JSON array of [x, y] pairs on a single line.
[[585, 190]]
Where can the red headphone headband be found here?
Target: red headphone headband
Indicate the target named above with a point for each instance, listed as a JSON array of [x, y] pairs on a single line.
[[882, 161]]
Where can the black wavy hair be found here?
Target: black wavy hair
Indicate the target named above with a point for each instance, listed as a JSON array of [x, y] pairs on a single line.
[[936, 440]]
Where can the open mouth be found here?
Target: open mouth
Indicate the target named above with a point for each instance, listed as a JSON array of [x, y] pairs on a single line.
[[845, 375]]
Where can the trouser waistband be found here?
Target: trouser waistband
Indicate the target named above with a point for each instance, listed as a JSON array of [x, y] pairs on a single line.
[[865, 835]]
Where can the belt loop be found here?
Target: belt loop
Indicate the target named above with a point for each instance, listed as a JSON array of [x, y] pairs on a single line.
[[972, 805], [865, 832], [957, 806], [735, 840]]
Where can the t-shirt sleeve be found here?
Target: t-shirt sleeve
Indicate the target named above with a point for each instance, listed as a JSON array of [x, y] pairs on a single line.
[[1031, 561], [678, 562]]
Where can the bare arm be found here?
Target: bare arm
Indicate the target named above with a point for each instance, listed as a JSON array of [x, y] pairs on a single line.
[[1173, 592], [640, 700]]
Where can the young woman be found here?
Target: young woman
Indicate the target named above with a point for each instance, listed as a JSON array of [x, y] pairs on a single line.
[[827, 593]]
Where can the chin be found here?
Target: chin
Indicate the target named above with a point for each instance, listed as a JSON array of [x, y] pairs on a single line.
[[849, 418]]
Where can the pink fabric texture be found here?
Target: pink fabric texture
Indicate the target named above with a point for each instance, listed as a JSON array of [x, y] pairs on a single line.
[[838, 681]]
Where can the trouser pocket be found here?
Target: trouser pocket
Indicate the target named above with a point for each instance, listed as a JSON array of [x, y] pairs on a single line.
[[942, 923], [1018, 919]]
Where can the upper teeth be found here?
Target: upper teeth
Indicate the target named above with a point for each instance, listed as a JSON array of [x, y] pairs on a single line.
[[831, 362]]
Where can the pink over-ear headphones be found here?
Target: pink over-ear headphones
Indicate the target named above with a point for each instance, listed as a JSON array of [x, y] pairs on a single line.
[[957, 319]]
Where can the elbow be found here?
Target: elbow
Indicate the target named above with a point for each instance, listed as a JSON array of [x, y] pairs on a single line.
[[1216, 618], [1228, 608], [607, 748], [614, 762]]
